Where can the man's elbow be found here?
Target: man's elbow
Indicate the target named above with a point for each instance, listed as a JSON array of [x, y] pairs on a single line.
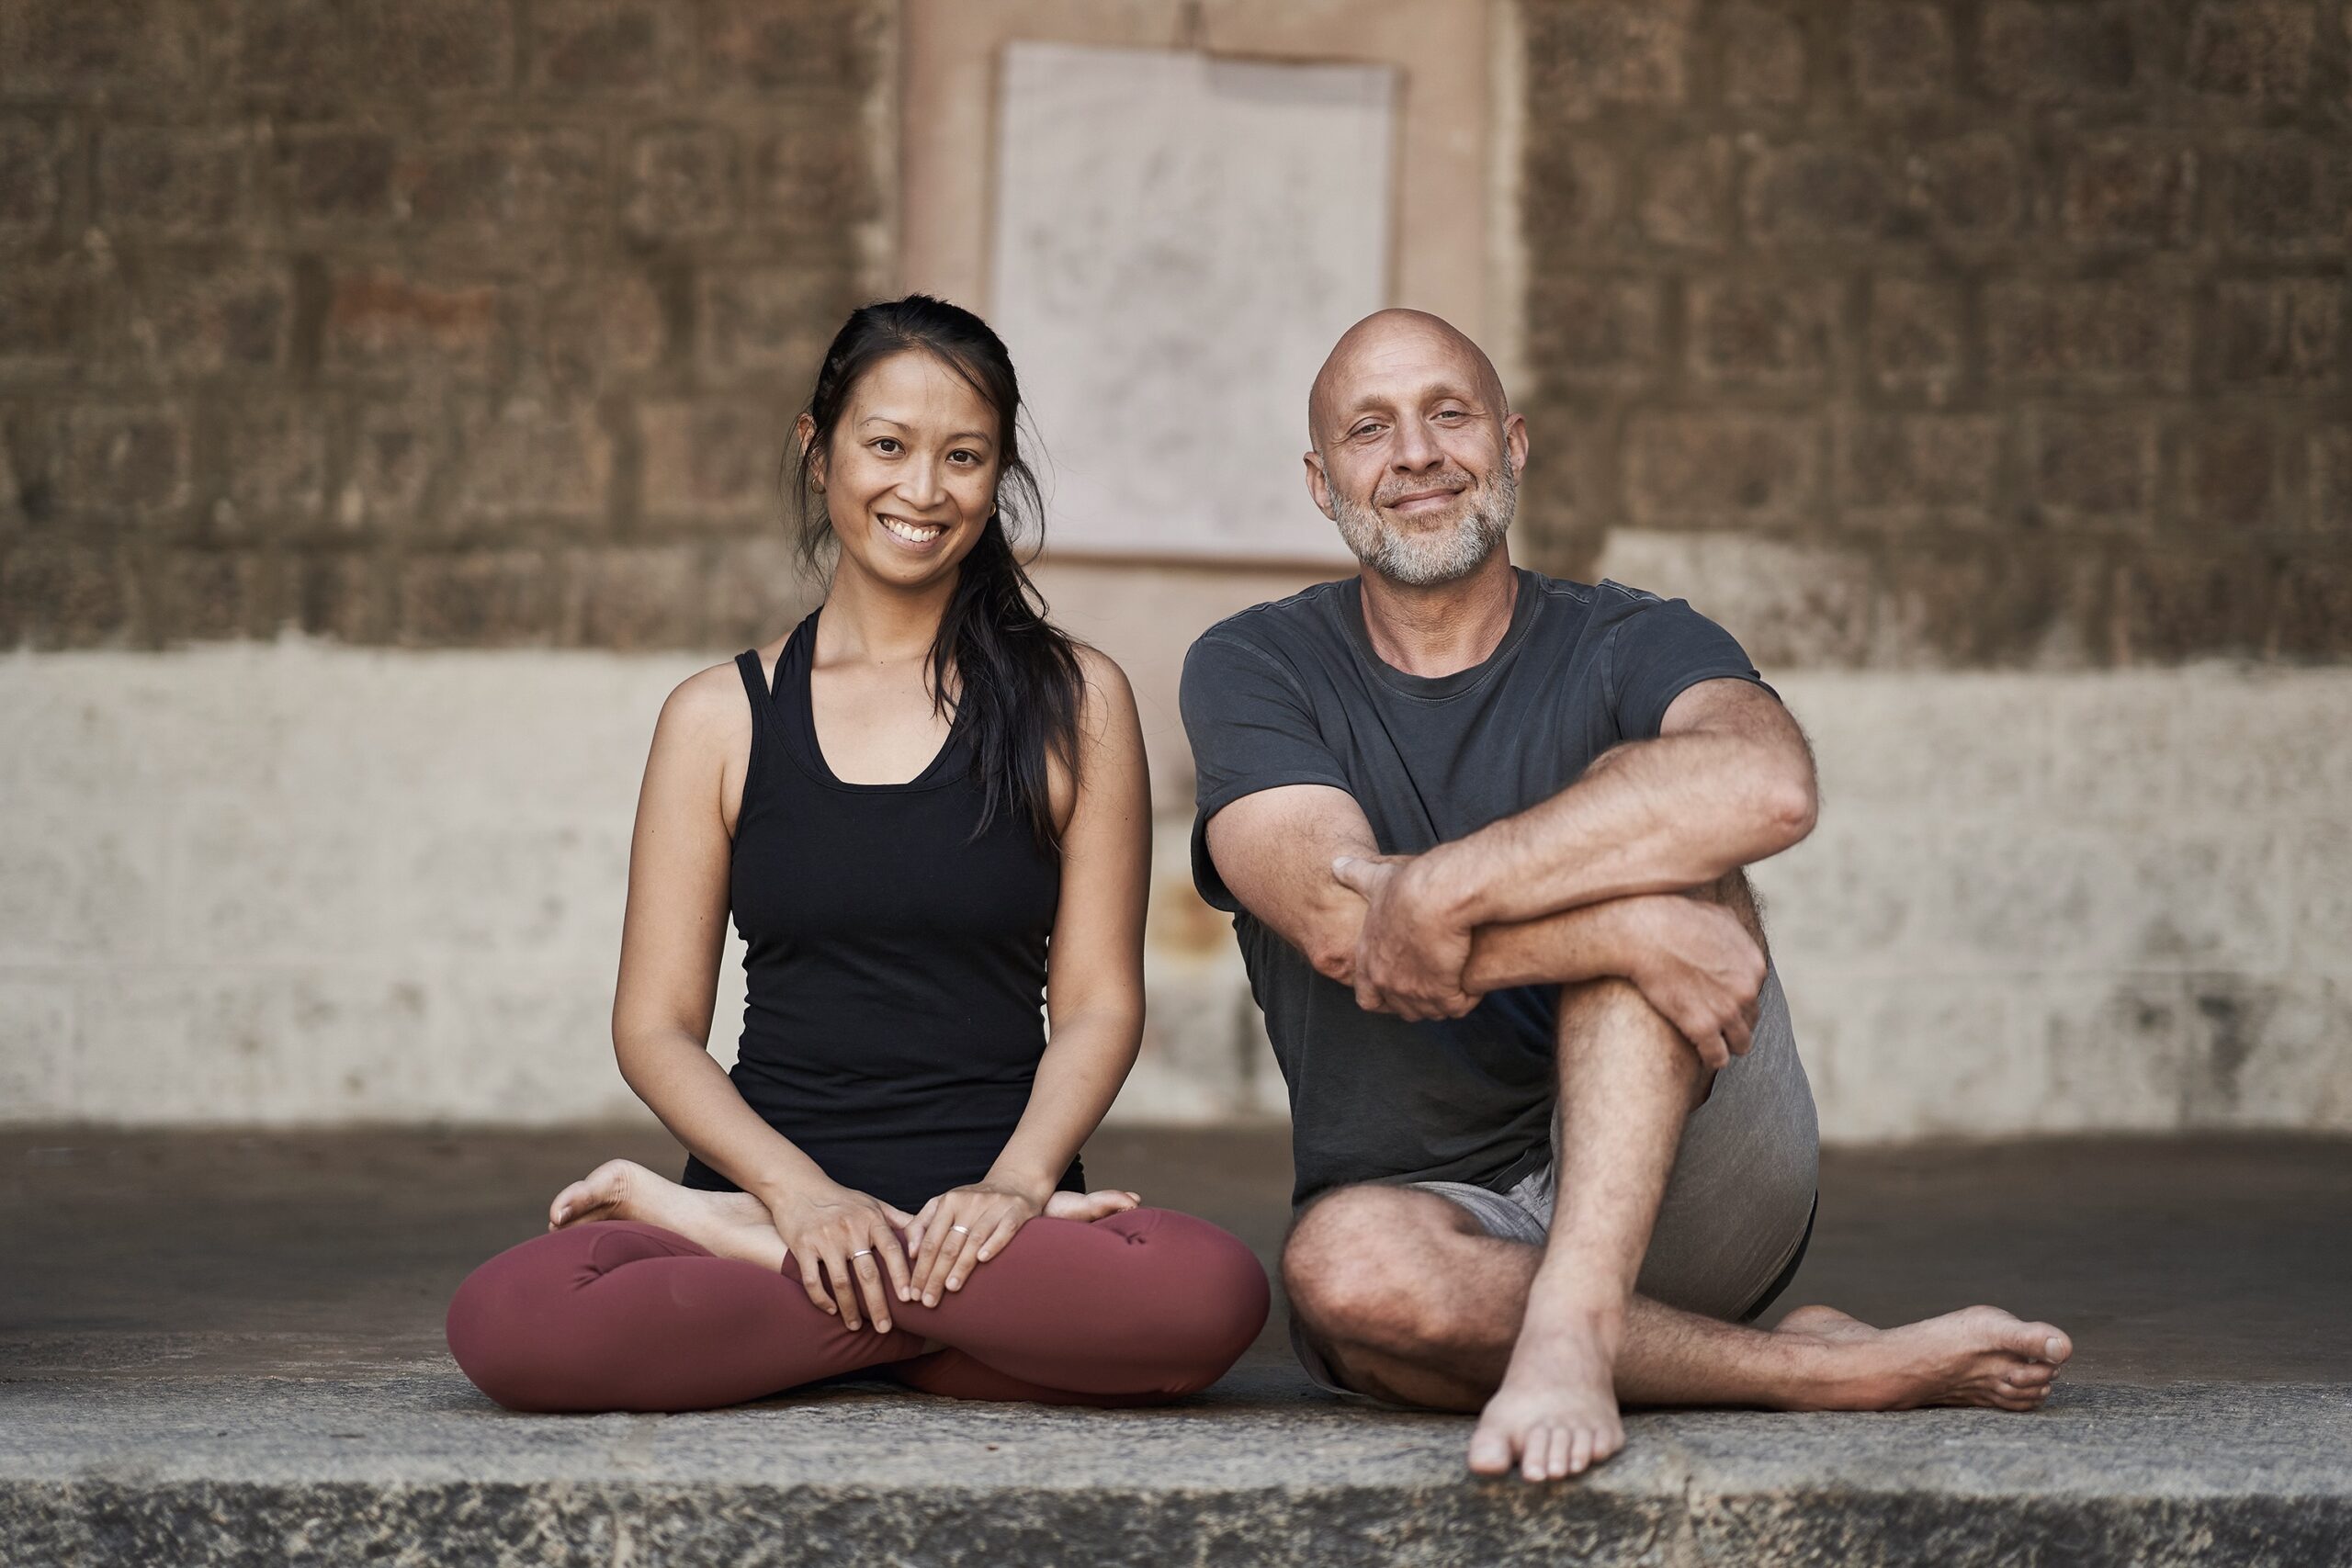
[[1790, 806]]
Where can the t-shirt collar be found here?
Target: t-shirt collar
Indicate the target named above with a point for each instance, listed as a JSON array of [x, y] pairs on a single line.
[[1435, 688]]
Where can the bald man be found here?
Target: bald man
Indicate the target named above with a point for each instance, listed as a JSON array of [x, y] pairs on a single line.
[[1481, 831]]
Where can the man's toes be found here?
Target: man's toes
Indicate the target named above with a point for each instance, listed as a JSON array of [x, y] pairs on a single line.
[[1580, 1455], [1535, 1459], [2036, 1342], [1489, 1451], [2033, 1374]]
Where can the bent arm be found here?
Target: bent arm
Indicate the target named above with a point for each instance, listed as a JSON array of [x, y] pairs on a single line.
[[1094, 978], [1727, 782], [672, 939]]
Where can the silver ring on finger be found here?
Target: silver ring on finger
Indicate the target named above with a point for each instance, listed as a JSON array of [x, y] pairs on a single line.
[[863, 1252], [965, 1229]]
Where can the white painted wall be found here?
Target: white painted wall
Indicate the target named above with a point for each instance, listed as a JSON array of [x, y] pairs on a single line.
[[296, 882]]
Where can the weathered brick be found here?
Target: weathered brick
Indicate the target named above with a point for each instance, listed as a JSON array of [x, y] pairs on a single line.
[[336, 176], [476, 598], [2171, 606], [274, 466], [769, 319], [646, 596], [1972, 185], [1762, 333], [1788, 603], [681, 181], [1763, 55], [124, 461], [2329, 454], [711, 464], [1913, 470], [757, 590], [31, 158], [2281, 333], [1585, 332], [213, 596], [814, 178], [75, 46], [332, 48], [1818, 192], [2059, 50], [384, 320], [2094, 466], [1588, 55], [2231, 473], [760, 45], [398, 449], [1719, 468], [337, 594], [45, 312], [1569, 196], [2254, 51], [191, 315], [1918, 336], [528, 459], [610, 45], [60, 595], [172, 180], [2309, 610], [1567, 492], [1992, 599], [1686, 194], [2287, 195], [598, 327], [528, 181], [1902, 51], [2130, 188], [2108, 334]]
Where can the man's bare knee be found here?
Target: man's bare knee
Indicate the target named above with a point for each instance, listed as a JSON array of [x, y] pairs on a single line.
[[1357, 1263]]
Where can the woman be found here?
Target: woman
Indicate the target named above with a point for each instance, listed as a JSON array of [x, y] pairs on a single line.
[[901, 802]]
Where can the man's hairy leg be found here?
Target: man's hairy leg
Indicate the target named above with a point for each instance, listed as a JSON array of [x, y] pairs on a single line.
[[1412, 1302]]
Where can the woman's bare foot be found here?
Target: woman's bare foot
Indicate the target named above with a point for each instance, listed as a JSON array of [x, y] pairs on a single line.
[[1556, 1414], [732, 1224], [1979, 1356]]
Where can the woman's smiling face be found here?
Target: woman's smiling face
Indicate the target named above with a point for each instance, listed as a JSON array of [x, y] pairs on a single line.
[[910, 476]]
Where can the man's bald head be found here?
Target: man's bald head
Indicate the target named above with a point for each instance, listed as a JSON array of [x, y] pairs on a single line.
[[1397, 344]]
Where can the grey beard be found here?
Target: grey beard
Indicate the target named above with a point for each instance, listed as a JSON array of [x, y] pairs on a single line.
[[1426, 560]]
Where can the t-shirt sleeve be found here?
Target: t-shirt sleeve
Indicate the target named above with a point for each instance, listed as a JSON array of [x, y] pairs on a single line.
[[1659, 649], [1250, 729]]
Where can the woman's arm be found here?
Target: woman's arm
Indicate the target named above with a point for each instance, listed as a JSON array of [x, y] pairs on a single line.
[[1093, 987], [671, 938]]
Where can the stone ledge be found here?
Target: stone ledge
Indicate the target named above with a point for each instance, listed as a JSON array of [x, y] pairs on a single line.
[[417, 1468]]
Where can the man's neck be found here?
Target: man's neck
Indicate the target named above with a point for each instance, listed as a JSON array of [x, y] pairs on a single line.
[[1442, 630]]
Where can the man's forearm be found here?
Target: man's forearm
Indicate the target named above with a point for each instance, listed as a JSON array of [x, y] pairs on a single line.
[[1654, 817], [1575, 944]]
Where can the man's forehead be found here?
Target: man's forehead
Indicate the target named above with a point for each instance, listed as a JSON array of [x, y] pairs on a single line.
[[1400, 356]]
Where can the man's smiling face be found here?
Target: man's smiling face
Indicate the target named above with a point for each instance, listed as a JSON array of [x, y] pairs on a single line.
[[1416, 455]]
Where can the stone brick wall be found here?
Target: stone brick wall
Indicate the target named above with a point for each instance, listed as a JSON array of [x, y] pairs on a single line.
[[423, 321], [1954, 332]]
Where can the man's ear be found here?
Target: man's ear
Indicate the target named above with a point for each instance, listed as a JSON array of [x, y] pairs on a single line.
[[1319, 485], [1515, 442]]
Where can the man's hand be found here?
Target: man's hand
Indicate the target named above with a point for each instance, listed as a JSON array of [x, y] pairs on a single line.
[[1410, 957], [1697, 965]]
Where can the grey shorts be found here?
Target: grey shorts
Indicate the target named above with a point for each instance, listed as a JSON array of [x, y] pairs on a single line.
[[1739, 1202]]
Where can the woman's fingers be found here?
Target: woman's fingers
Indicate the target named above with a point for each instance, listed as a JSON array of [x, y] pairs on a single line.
[[1001, 1233], [845, 1283], [869, 1284], [886, 1246], [810, 1283], [960, 1267]]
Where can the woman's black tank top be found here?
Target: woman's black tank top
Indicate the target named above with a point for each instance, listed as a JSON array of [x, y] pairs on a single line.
[[895, 965]]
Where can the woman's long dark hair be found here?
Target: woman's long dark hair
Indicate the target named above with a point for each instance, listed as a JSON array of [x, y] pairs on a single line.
[[1018, 673]]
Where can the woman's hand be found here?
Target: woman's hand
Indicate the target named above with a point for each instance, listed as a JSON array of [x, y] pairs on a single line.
[[961, 1229], [840, 1232]]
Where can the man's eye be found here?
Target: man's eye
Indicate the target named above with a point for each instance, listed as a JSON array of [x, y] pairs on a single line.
[[1364, 429], [1448, 413]]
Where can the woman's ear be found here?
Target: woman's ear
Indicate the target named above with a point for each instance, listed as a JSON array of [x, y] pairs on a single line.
[[805, 430]]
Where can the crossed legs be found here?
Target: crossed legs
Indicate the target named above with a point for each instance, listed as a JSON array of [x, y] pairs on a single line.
[[1412, 1302]]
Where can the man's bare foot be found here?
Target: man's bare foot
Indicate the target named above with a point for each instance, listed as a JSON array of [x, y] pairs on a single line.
[[1979, 1356], [1556, 1413], [732, 1224]]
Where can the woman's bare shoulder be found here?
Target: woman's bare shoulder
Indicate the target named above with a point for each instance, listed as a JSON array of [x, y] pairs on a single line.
[[706, 711]]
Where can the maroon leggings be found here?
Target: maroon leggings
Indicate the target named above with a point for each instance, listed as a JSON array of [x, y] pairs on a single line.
[[1137, 1308]]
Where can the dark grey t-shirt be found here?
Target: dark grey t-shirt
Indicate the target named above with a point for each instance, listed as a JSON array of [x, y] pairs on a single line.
[[1291, 693]]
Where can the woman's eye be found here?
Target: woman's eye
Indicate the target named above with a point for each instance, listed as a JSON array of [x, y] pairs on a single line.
[[887, 447]]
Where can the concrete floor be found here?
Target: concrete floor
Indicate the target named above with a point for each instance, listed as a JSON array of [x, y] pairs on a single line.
[[332, 1253], [226, 1348]]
